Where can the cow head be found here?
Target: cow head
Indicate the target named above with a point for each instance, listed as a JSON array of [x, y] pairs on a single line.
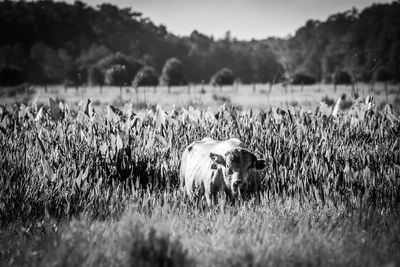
[[236, 164]]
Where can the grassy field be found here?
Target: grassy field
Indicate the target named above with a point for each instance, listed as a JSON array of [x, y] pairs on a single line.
[[246, 96], [84, 188]]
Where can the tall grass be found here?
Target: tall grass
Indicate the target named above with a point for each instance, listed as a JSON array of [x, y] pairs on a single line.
[[160, 231], [91, 189]]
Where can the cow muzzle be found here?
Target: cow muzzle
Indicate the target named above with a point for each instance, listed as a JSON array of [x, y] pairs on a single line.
[[236, 187]]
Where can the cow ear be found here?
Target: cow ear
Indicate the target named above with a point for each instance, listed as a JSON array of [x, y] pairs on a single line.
[[253, 158], [216, 159], [260, 164]]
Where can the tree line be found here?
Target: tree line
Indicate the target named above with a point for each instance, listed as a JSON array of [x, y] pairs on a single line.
[[45, 42], [350, 46]]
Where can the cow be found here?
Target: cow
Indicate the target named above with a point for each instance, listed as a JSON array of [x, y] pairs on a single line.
[[209, 166]]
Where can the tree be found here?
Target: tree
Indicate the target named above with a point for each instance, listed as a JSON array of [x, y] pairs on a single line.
[[48, 66], [46, 38], [267, 67], [342, 77], [12, 56], [76, 76], [147, 76], [93, 55], [223, 77], [172, 73], [129, 65], [96, 77], [383, 75], [117, 75], [10, 76], [303, 79]]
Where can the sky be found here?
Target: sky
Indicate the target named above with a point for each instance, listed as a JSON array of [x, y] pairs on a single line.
[[245, 19]]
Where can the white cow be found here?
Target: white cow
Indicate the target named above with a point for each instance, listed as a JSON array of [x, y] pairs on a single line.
[[209, 167]]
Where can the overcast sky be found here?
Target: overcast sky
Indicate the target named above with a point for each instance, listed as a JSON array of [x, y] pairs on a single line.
[[246, 19]]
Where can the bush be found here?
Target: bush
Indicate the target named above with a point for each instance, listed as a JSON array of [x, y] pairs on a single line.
[[342, 77], [76, 77], [303, 79], [128, 64], [10, 76], [383, 75], [96, 76], [172, 73], [223, 99], [223, 77], [117, 75], [147, 76], [366, 76], [328, 101], [328, 79]]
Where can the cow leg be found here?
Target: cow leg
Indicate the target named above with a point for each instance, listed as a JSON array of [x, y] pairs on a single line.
[[228, 196], [210, 199]]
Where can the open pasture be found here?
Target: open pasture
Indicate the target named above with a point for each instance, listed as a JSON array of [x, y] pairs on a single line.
[[84, 188], [245, 96]]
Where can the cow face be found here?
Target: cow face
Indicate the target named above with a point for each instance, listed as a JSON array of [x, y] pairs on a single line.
[[237, 164]]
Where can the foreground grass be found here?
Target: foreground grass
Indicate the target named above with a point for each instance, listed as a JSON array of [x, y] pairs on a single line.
[[80, 188], [163, 230]]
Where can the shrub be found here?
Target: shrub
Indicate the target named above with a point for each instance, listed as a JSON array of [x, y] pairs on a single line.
[[342, 77], [147, 76], [117, 75], [293, 103], [10, 76], [76, 77], [129, 65], [383, 75], [96, 76], [223, 77], [328, 101], [172, 73], [303, 79], [223, 99]]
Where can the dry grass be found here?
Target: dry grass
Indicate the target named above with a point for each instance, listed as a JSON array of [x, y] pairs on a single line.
[[84, 189], [170, 233], [207, 96]]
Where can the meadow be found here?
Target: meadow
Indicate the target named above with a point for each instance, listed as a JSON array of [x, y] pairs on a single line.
[[206, 96], [88, 184]]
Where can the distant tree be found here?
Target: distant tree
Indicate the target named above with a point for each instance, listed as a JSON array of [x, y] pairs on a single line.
[[172, 73], [93, 55], [10, 76], [13, 55], [394, 60], [129, 65], [48, 67], [96, 77], [76, 76], [46, 38], [147, 76], [117, 75], [223, 77], [303, 79], [267, 67], [366, 76], [342, 77], [383, 75]]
